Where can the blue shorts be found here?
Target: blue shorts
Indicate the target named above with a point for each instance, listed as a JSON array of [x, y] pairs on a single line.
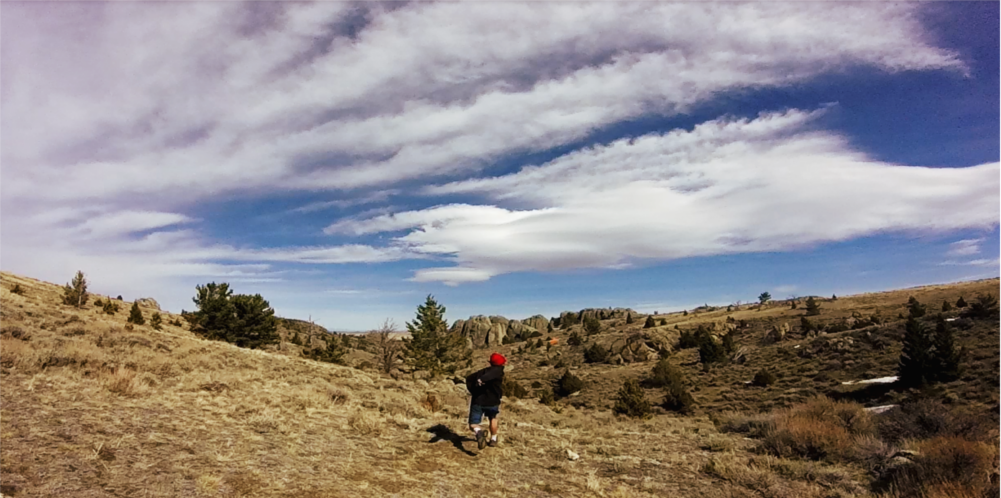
[[476, 413]]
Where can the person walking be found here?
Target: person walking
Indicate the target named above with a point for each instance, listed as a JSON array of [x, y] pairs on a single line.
[[485, 388]]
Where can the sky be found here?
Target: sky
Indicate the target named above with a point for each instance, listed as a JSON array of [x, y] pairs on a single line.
[[345, 160]]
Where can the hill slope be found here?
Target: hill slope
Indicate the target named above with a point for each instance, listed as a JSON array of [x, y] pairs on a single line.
[[90, 408]]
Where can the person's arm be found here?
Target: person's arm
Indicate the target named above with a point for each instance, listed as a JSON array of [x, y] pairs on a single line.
[[471, 382], [490, 374]]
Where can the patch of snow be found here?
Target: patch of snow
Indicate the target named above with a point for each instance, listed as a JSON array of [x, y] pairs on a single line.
[[950, 319], [881, 380], [879, 409]]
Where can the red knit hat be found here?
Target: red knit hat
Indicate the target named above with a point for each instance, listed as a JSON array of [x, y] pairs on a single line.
[[497, 360]]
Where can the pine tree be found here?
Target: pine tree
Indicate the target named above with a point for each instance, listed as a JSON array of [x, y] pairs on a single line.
[[333, 352], [945, 357], [914, 308], [592, 326], [595, 354], [985, 306], [649, 324], [215, 315], [431, 347], [664, 374], [687, 340], [710, 351], [255, 323], [812, 308], [728, 346], [793, 305], [295, 339], [75, 292], [567, 384], [136, 315], [960, 303], [946, 306], [629, 318], [631, 400], [764, 297], [245, 320], [806, 325], [574, 339], [915, 366], [156, 321]]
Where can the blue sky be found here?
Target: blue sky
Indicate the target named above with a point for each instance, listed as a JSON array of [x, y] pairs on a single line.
[[345, 160]]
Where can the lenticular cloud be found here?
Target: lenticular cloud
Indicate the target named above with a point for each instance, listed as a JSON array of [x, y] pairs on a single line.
[[727, 186]]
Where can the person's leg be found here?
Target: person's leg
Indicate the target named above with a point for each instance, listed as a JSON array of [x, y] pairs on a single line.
[[475, 417], [492, 414]]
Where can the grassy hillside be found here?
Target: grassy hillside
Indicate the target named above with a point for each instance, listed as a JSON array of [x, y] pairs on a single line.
[[806, 364], [91, 408]]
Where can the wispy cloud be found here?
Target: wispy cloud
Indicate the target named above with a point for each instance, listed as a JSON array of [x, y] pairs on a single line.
[[298, 103], [973, 262], [966, 247], [120, 119], [371, 198], [727, 186]]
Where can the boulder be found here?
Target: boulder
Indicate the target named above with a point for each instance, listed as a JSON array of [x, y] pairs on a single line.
[[777, 333], [476, 329], [638, 347], [722, 328], [516, 329], [148, 302], [537, 322]]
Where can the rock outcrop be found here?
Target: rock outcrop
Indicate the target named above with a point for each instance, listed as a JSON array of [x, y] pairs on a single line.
[[148, 302], [597, 313], [639, 347], [537, 322], [481, 331]]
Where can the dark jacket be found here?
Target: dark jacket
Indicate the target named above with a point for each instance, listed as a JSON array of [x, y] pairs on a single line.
[[488, 391]]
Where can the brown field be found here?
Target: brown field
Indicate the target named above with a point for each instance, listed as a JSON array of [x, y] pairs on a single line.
[[91, 408]]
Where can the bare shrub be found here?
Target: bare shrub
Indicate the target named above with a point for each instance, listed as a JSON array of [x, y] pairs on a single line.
[[925, 419], [338, 396], [631, 400], [763, 378], [386, 346], [511, 388], [946, 466], [366, 422], [121, 381], [754, 425], [16, 332], [431, 403], [818, 429]]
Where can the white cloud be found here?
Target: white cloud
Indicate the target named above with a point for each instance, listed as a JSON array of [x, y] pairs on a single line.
[[120, 117], [167, 103], [966, 247], [972, 262], [728, 186]]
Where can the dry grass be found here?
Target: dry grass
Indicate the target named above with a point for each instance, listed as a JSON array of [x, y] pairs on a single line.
[[92, 409]]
